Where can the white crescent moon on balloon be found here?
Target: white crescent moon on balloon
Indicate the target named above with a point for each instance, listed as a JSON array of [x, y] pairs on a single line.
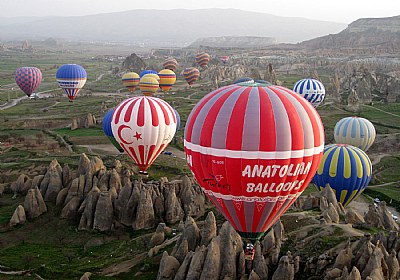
[[120, 132]]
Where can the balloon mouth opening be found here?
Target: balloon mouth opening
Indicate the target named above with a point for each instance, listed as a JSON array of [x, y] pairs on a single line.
[[252, 237]]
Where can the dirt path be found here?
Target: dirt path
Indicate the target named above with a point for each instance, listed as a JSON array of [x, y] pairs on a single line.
[[14, 102]]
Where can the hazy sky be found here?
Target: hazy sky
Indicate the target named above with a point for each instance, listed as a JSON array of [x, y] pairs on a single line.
[[331, 10]]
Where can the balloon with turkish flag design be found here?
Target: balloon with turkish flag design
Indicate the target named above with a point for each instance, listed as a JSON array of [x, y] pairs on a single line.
[[253, 149], [143, 126]]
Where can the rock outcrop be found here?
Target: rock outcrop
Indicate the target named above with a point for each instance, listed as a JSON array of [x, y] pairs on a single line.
[[86, 121], [139, 205], [19, 217], [134, 62], [34, 204], [168, 267], [380, 217], [285, 270]]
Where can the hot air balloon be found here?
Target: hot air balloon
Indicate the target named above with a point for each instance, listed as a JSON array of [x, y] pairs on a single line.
[[167, 79], [312, 90], [131, 81], [346, 169], [178, 120], [107, 129], [224, 59], [71, 77], [244, 80], [171, 64], [191, 75], [143, 126], [253, 150], [148, 85], [358, 132], [144, 72], [202, 59], [28, 79]]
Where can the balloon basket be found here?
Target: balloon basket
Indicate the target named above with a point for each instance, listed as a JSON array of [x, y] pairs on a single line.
[[142, 175], [249, 251]]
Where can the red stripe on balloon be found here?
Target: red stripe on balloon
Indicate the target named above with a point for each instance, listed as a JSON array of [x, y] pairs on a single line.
[[140, 116], [209, 121], [150, 160], [195, 112], [267, 123], [154, 115], [141, 155], [165, 113], [119, 110]]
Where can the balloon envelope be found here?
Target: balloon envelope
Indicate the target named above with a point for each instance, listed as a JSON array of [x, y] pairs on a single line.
[[171, 64], [148, 85], [312, 90], [253, 150], [202, 59], [106, 123], [191, 75], [167, 79], [143, 126], [355, 131], [28, 79], [346, 169], [131, 80], [71, 78]]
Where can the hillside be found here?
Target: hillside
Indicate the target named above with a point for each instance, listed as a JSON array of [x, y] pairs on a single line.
[[377, 33], [234, 42], [166, 28]]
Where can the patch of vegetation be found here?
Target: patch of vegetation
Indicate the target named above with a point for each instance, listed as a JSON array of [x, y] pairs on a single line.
[[389, 194], [387, 170], [8, 206]]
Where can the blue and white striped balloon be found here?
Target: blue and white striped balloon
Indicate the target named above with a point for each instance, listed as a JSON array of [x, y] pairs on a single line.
[[358, 132], [312, 90]]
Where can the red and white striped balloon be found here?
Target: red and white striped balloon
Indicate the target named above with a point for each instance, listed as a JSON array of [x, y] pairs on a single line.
[[253, 149], [143, 126]]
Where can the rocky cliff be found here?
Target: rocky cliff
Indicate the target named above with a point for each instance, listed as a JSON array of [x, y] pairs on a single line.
[[377, 35]]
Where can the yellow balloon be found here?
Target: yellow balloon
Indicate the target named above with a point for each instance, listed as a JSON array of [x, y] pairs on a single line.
[[130, 80], [148, 85], [167, 79]]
